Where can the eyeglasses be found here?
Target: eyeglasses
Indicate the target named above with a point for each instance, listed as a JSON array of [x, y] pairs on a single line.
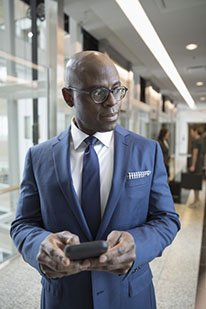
[[101, 94]]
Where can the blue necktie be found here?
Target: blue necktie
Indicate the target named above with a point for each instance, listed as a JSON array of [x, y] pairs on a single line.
[[90, 198]]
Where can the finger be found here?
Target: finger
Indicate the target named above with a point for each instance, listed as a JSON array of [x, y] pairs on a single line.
[[46, 261], [113, 238], [85, 264], [117, 262], [125, 248], [68, 238], [55, 254], [47, 270], [113, 253], [52, 270]]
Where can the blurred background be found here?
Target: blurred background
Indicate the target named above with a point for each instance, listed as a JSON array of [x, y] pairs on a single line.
[[159, 49]]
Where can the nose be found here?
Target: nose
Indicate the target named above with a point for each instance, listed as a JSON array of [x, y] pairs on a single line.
[[110, 101]]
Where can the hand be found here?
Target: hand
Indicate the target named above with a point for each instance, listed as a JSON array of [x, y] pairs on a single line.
[[191, 168], [52, 259], [120, 255]]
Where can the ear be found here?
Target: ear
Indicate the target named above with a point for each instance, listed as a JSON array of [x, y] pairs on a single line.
[[67, 94]]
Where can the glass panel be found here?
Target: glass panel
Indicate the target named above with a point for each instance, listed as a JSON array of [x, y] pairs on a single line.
[[17, 92], [139, 121], [2, 25]]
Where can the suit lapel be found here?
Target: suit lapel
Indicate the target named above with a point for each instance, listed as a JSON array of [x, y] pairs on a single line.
[[121, 156], [61, 159]]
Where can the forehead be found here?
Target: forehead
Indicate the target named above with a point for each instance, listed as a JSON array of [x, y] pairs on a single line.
[[97, 72]]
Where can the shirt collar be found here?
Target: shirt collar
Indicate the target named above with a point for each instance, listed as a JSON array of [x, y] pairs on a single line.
[[78, 136]]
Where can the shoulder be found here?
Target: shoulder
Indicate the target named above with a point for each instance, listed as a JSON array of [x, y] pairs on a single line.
[[45, 147], [136, 139]]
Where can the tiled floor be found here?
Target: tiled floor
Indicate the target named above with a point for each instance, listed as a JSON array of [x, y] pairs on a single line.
[[20, 286], [176, 272]]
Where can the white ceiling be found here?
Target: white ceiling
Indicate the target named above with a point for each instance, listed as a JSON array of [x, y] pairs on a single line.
[[177, 22]]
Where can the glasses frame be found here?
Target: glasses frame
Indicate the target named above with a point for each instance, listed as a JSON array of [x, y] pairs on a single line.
[[90, 92]]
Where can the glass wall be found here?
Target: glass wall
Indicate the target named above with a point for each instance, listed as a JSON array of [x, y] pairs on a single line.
[[18, 91]]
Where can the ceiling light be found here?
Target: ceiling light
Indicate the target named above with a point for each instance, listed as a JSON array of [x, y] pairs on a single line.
[[199, 83], [202, 98], [30, 34], [138, 18], [191, 46]]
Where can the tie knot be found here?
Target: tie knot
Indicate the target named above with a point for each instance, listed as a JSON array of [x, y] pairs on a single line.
[[91, 140]]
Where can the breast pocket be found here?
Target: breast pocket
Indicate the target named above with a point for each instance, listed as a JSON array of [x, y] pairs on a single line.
[[138, 181]]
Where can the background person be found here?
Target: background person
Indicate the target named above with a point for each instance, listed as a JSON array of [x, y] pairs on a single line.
[[204, 151], [164, 144], [138, 218], [196, 160]]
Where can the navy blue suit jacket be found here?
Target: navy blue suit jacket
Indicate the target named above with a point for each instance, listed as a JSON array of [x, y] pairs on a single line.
[[139, 203]]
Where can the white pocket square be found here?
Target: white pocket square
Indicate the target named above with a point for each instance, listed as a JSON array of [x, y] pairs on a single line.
[[139, 174]]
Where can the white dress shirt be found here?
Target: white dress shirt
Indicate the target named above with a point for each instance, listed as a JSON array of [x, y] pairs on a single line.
[[105, 152]]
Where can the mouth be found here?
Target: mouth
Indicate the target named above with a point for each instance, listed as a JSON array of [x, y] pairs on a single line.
[[109, 117]]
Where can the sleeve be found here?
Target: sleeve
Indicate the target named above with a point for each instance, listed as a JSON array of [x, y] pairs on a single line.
[[27, 229], [162, 224]]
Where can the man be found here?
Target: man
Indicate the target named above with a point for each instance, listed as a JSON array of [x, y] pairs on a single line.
[[138, 219]]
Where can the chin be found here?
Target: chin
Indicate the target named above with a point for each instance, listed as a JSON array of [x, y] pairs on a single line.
[[107, 128]]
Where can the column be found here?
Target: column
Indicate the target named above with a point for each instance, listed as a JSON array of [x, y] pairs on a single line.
[[13, 139], [55, 58]]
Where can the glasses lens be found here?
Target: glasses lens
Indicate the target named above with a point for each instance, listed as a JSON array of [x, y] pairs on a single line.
[[119, 93], [99, 95]]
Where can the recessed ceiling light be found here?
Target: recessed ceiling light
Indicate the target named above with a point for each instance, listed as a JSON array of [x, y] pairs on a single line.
[[191, 46], [202, 98], [199, 83]]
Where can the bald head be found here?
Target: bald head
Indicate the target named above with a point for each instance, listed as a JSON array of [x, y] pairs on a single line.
[[84, 64], [89, 74]]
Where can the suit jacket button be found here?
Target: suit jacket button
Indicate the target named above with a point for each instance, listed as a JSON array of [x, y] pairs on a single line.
[[100, 292], [136, 269]]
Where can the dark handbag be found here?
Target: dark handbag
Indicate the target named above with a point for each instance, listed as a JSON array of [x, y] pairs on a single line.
[[191, 181]]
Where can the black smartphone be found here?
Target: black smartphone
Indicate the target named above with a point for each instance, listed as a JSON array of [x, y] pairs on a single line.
[[86, 250]]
